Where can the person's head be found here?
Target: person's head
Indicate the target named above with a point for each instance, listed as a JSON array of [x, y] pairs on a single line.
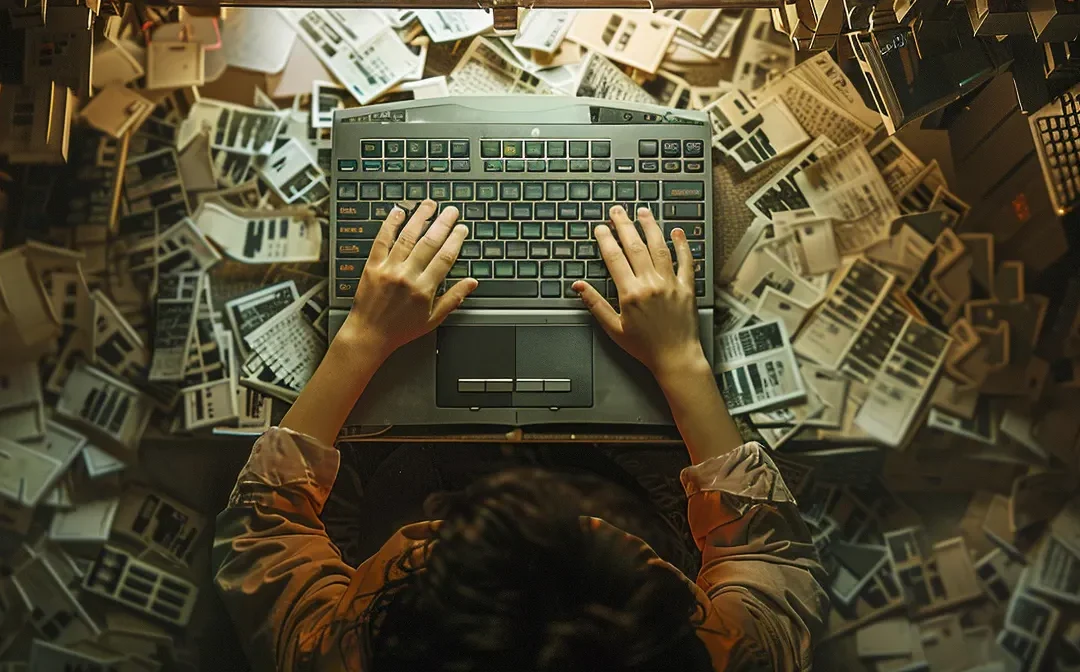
[[517, 580]]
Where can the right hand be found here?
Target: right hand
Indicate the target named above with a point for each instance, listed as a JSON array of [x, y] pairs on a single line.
[[657, 322]]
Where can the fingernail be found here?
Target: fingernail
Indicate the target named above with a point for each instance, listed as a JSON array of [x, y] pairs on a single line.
[[644, 211], [617, 209], [397, 210]]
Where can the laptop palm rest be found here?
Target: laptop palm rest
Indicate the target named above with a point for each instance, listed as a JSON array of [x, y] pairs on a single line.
[[507, 366]]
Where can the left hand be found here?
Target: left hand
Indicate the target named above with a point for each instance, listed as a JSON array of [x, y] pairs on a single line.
[[395, 300]]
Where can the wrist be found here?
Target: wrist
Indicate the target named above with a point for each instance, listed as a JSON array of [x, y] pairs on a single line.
[[683, 367], [358, 347]]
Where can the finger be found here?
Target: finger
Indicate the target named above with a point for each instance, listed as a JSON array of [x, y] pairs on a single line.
[[384, 240], [448, 302], [617, 265], [599, 307], [406, 240], [682, 254], [433, 240], [633, 247], [661, 257], [444, 257]]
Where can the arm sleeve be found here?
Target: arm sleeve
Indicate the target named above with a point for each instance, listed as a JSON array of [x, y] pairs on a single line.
[[277, 572], [759, 567]]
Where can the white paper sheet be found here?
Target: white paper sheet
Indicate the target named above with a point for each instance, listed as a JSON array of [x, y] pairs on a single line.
[[758, 368], [448, 25], [544, 29], [600, 78], [256, 38], [261, 237]]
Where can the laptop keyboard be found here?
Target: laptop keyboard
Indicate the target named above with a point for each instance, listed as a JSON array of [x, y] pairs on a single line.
[[531, 220]]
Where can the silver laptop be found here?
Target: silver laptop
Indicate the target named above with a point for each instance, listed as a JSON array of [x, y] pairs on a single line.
[[531, 176]]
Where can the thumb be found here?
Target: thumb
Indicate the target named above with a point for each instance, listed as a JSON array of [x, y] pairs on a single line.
[[448, 302], [599, 307]]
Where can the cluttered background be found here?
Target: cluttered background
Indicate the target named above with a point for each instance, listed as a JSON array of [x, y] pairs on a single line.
[[905, 254]]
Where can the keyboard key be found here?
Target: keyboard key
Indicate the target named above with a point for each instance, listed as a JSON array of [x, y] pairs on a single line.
[[515, 166], [438, 149], [533, 191], [699, 288], [684, 191], [579, 149], [493, 166], [579, 165], [347, 165], [509, 191], [439, 165], [699, 268], [596, 269], [369, 191], [371, 165], [592, 211], [556, 149], [568, 287], [358, 230], [573, 269], [550, 269], [562, 249], [416, 149], [601, 191], [371, 149], [568, 211], [648, 166], [697, 249], [624, 165], [539, 249], [349, 269], [531, 230], [601, 149], [555, 231], [486, 191], [649, 191], [684, 211], [346, 288], [601, 165], [517, 249], [380, 210], [499, 210], [354, 210], [511, 289], [534, 149], [578, 230], [694, 149], [395, 166], [671, 149], [550, 289], [558, 165], [475, 211], [504, 269], [490, 149], [354, 248], [521, 211], [470, 249], [394, 191], [508, 230], [347, 191], [587, 250], [511, 149], [693, 230], [695, 166], [545, 211], [439, 191], [463, 191], [556, 191], [480, 269], [528, 269], [579, 191], [416, 166], [625, 191], [536, 165], [648, 149], [484, 230], [672, 166], [459, 149], [460, 269], [493, 250], [394, 149]]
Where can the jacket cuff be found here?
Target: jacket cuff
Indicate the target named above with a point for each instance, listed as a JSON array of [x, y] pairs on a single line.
[[745, 476], [286, 463]]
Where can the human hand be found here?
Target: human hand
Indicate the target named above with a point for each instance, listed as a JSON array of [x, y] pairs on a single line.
[[395, 299], [657, 321]]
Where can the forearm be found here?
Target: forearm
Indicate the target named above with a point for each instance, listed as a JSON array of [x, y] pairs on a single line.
[[699, 410], [326, 401]]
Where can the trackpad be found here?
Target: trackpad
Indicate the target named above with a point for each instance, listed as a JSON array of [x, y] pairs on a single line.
[[539, 366]]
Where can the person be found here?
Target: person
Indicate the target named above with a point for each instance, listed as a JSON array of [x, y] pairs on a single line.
[[519, 576]]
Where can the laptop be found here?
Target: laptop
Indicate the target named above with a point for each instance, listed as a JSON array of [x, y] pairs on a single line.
[[531, 176]]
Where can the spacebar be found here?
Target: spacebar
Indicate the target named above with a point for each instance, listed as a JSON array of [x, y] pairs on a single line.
[[506, 288]]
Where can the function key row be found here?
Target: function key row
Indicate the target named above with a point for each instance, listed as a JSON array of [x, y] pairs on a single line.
[[541, 149], [416, 148], [671, 149], [405, 165]]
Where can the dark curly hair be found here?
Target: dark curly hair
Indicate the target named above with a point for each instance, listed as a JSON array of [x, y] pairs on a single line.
[[515, 579]]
